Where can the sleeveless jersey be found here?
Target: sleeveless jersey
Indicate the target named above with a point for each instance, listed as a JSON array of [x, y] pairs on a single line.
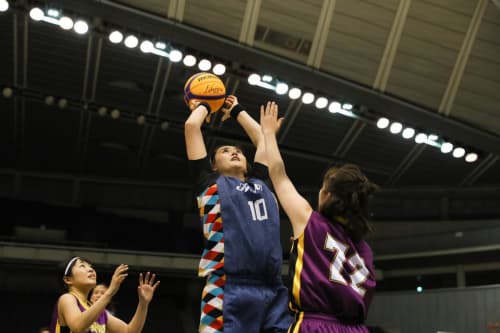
[[330, 273], [241, 227], [99, 326]]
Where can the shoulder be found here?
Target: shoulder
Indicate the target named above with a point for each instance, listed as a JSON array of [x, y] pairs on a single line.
[[259, 171]]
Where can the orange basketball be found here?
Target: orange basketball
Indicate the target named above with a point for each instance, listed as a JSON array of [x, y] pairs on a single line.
[[205, 87]]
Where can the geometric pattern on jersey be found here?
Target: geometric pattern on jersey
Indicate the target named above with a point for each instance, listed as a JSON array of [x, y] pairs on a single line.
[[212, 258], [211, 320], [325, 270]]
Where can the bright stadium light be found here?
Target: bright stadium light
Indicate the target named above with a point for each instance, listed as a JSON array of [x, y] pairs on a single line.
[[408, 133], [446, 147], [175, 55], [253, 79], [458, 152], [66, 23], [294, 93], [146, 46], [334, 107], [471, 157], [36, 14], [281, 88], [321, 103], [396, 127], [307, 98], [189, 60], [347, 106], [382, 123], [81, 27], [115, 37], [219, 69], [421, 138], [131, 41], [54, 13], [204, 65], [4, 5]]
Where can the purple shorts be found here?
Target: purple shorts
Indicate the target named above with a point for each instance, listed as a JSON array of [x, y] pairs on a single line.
[[320, 323]]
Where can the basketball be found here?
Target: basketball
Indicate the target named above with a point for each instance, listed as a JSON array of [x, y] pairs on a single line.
[[205, 87]]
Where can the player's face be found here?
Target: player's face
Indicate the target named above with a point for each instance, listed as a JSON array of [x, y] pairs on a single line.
[[82, 274], [228, 158], [97, 292]]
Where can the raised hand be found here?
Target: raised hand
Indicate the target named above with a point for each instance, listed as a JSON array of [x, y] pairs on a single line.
[[118, 277], [269, 120], [229, 104], [147, 287]]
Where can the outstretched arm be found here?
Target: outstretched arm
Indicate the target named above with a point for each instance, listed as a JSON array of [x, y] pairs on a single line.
[[249, 125], [195, 145], [296, 207], [145, 290]]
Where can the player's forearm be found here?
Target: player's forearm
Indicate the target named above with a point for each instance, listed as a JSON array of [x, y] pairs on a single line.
[[275, 162], [250, 126], [137, 323]]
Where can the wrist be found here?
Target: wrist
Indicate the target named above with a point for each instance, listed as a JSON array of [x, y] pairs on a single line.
[[205, 104], [235, 111]]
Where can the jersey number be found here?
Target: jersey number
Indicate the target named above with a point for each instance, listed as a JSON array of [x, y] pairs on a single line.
[[359, 271], [258, 209]]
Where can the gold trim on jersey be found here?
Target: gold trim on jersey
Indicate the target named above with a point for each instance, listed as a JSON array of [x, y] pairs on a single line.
[[299, 263]]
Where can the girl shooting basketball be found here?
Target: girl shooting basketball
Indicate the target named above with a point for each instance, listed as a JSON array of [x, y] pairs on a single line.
[[242, 259]]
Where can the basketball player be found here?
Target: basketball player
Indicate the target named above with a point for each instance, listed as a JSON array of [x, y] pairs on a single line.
[[73, 313], [242, 259], [331, 267]]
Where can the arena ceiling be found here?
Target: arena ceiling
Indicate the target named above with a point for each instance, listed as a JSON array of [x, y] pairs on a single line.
[[430, 64]]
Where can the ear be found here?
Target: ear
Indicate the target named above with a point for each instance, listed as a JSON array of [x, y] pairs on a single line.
[[67, 280]]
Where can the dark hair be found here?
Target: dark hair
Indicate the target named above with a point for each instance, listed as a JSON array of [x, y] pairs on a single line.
[[351, 190]]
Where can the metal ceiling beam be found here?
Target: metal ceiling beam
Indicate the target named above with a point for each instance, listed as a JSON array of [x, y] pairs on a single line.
[[385, 66], [290, 115], [409, 159], [352, 134], [463, 56], [322, 29], [228, 49], [249, 24], [176, 10], [480, 169]]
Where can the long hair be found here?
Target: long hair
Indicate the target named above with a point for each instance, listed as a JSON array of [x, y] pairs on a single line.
[[350, 190]]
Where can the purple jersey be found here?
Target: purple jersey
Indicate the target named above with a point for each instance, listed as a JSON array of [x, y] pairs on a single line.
[[99, 326], [331, 274]]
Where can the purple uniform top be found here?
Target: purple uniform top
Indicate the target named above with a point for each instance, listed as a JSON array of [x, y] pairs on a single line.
[[99, 326], [331, 275]]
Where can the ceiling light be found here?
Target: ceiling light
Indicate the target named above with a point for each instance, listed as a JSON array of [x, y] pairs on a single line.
[[54, 13], [253, 79], [115, 37], [115, 114], [66, 23], [458, 152], [334, 107], [408, 133], [321, 103], [446, 147], [4, 5], [189, 60], [382, 123], [307, 98], [281, 88], [37, 14], [294, 93], [204, 65], [141, 120], [131, 41], [347, 106], [102, 111], [7, 92], [81, 27], [161, 45], [219, 69], [175, 55], [267, 78], [421, 138], [49, 100], [62, 103], [396, 127], [471, 157], [146, 46]]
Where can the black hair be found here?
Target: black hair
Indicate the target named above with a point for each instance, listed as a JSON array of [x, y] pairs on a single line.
[[214, 152], [350, 190]]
